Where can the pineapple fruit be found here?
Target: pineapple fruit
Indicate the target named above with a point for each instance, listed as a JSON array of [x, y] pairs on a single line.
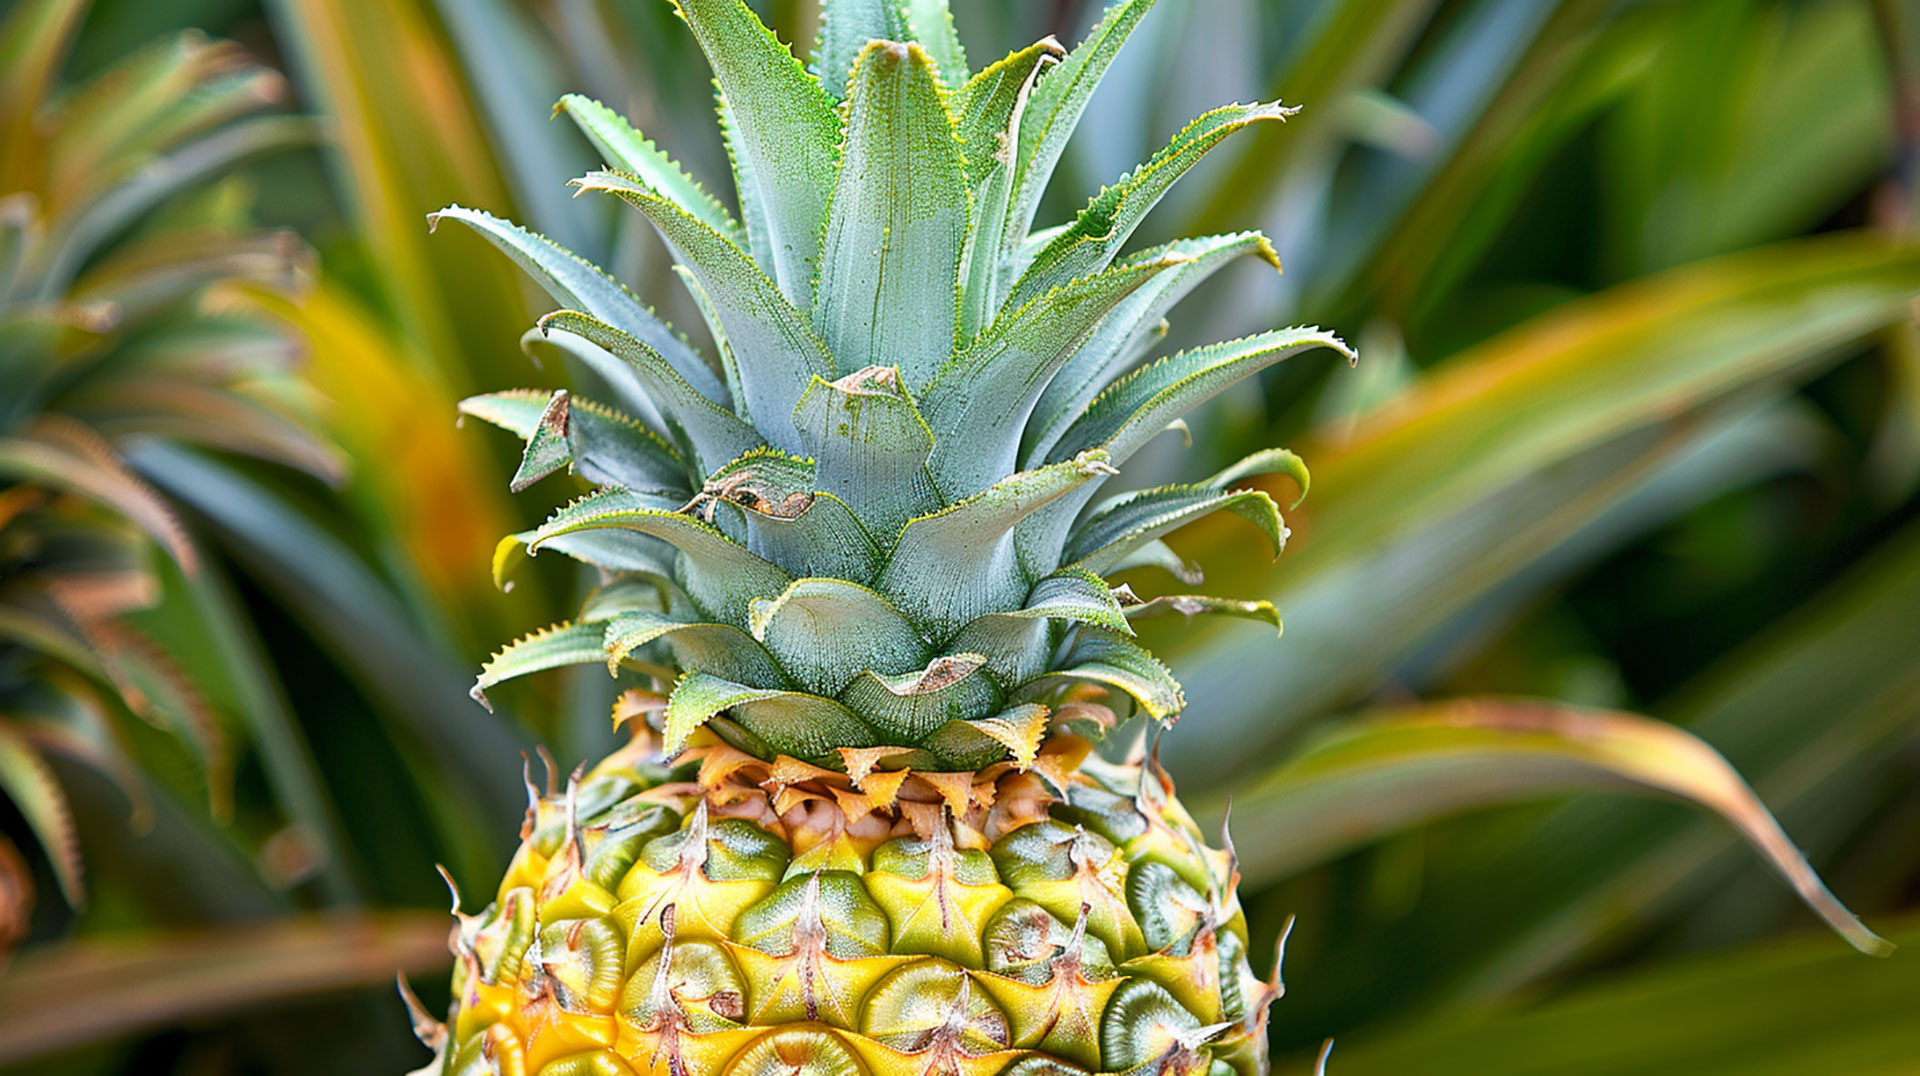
[[865, 828]]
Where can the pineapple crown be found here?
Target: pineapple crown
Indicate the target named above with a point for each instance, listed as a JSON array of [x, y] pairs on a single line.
[[865, 535]]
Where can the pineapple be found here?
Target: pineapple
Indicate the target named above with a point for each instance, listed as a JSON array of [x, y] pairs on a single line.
[[864, 826]]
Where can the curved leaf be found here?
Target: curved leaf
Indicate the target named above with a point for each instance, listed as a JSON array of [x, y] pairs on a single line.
[[805, 726], [961, 562], [578, 284], [979, 401], [780, 353], [989, 111], [710, 435], [718, 649], [1110, 536], [827, 631], [870, 447], [719, 573], [552, 647], [1133, 326], [1135, 408], [1057, 103], [627, 150], [1377, 775], [602, 445], [1109, 220], [912, 705], [1115, 661]]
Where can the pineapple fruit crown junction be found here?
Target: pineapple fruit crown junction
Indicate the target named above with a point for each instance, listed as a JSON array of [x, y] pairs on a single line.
[[863, 548]]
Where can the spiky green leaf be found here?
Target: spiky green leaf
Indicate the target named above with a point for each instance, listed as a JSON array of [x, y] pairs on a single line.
[[718, 573], [627, 150], [910, 706], [960, 562], [1138, 406], [708, 434], [1109, 220], [979, 402], [890, 259], [576, 283], [870, 447], [779, 351], [793, 723], [784, 132], [605, 446], [1134, 325], [1059, 99], [826, 631], [552, 647]]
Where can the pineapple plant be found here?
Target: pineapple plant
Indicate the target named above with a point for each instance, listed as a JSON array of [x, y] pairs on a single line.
[[118, 324], [855, 577]]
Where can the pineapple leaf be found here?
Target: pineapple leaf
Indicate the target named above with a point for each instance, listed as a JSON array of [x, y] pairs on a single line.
[[1076, 595], [1018, 642], [577, 283], [826, 631], [805, 726], [846, 28], [890, 259], [1192, 605], [1015, 733], [605, 447], [1054, 110], [1109, 220], [67, 456], [767, 500], [1158, 554], [988, 123], [1267, 461], [910, 706], [547, 448], [562, 644], [1115, 661], [931, 24], [1118, 528], [1134, 325], [621, 596], [978, 404], [621, 378], [1105, 541], [720, 575], [1132, 410], [612, 551], [759, 322], [1497, 750], [960, 563], [28, 781], [627, 150], [870, 447], [782, 128], [709, 435], [719, 649], [729, 363]]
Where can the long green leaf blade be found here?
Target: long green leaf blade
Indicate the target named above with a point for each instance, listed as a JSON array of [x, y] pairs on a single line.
[[890, 260]]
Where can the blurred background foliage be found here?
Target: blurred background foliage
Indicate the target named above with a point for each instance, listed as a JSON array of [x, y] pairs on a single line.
[[1636, 432]]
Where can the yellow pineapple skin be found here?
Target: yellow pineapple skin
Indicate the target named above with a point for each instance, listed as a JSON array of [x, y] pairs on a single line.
[[721, 914]]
